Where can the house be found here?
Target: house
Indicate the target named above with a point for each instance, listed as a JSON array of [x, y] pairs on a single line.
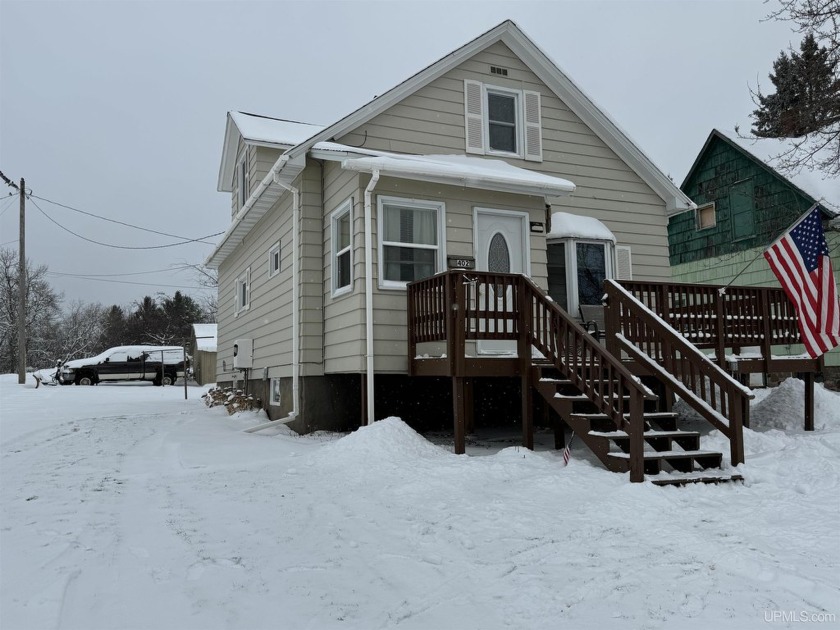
[[462, 163], [743, 205], [203, 352]]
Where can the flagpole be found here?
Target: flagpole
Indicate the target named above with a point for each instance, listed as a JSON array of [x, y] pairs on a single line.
[[723, 289]]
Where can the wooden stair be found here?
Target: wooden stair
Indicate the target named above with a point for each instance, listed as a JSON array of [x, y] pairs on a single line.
[[668, 448]]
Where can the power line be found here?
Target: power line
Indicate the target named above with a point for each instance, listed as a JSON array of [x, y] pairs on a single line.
[[9, 181], [89, 240], [11, 199], [96, 216], [142, 284], [116, 275]]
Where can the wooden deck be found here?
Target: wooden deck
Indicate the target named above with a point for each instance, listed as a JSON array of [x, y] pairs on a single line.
[[654, 330]]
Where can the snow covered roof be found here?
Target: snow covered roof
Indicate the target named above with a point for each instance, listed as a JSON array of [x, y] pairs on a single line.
[[460, 170], [821, 188], [565, 225], [259, 131], [205, 337]]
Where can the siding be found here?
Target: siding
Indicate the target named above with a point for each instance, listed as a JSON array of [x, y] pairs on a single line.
[[268, 321], [432, 121]]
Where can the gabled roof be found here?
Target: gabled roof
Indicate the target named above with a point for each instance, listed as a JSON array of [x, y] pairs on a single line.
[[761, 151], [291, 163], [555, 79], [258, 131]]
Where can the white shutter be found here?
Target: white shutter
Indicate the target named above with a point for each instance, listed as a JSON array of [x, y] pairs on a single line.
[[248, 288], [533, 127], [474, 116], [623, 264]]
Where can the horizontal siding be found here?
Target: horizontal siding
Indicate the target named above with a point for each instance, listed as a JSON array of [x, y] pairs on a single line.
[[432, 121]]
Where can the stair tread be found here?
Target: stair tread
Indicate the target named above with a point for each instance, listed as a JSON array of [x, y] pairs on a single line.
[[585, 397], [690, 478], [667, 454], [652, 415], [624, 434]]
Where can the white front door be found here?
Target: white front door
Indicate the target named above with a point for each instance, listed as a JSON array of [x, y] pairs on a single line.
[[501, 246]]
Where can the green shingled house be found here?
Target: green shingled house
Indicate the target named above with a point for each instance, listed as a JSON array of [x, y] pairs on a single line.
[[743, 205]]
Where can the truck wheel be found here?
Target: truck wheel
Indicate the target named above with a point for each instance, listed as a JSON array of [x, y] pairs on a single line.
[[168, 379], [85, 379]]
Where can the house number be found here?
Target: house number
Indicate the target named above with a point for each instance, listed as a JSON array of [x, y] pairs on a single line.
[[460, 262]]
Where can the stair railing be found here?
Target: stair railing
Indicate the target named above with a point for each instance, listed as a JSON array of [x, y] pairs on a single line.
[[662, 351]]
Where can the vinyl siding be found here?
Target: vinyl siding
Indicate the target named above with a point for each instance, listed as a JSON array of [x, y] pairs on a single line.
[[432, 121]]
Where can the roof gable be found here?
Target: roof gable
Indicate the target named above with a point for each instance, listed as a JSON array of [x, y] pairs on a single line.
[[812, 188], [548, 72]]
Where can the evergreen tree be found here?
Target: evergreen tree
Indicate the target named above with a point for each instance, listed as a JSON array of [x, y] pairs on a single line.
[[807, 97]]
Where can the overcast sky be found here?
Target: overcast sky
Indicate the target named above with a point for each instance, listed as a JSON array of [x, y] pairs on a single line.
[[118, 108]]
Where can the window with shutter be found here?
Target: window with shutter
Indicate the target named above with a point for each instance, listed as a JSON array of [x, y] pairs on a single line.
[[474, 113], [502, 121]]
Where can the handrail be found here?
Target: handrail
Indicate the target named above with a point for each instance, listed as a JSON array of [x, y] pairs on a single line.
[[457, 306], [661, 350]]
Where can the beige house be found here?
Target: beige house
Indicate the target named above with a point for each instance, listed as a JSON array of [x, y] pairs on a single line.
[[462, 164]]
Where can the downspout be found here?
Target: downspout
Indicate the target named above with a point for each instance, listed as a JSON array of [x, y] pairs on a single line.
[[295, 296], [369, 295]]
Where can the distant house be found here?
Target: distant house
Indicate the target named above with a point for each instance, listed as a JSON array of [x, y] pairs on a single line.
[[463, 163], [203, 351], [743, 205]]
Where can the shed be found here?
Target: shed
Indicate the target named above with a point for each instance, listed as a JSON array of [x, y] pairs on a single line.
[[203, 350]]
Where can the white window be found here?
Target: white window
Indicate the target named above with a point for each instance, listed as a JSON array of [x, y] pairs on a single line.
[[502, 121], [275, 396], [243, 292], [706, 217], [342, 248], [274, 260], [577, 270], [410, 240], [242, 175]]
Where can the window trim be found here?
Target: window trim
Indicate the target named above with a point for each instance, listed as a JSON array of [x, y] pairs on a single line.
[[242, 177], [243, 278], [519, 123], [271, 269], [272, 390], [345, 208], [572, 288], [405, 202], [698, 212]]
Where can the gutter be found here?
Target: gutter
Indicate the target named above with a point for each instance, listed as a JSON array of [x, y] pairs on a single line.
[[369, 296]]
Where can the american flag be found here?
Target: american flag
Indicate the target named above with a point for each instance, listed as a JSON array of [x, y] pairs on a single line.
[[567, 452], [800, 260]]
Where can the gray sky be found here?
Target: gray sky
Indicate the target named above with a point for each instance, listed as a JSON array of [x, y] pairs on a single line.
[[118, 108]]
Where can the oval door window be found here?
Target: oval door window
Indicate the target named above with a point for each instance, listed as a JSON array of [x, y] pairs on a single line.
[[498, 256]]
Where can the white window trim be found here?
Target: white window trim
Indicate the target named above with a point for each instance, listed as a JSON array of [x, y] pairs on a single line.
[[242, 174], [520, 119], [440, 259], [271, 270], [337, 214], [244, 277], [271, 400], [572, 293]]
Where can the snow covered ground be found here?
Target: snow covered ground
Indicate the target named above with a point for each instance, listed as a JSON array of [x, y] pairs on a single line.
[[125, 506]]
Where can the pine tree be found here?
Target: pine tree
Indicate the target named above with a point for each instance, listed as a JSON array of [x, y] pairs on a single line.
[[807, 97]]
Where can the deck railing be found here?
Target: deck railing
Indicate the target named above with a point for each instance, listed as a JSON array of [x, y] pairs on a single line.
[[711, 317], [459, 306], [660, 350]]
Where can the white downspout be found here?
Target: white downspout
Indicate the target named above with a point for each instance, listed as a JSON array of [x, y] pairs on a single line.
[[295, 297], [369, 294]]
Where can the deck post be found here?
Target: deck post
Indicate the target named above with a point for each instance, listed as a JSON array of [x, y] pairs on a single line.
[[637, 438], [524, 321], [809, 400], [720, 329], [739, 416], [459, 414]]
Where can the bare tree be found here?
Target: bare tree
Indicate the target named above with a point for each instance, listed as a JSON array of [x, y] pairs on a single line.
[[79, 330], [42, 311], [209, 280]]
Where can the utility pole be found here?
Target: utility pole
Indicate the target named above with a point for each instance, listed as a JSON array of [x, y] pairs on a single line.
[[22, 287], [21, 309]]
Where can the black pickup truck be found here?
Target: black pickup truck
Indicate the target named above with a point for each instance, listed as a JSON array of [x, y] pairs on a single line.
[[161, 365]]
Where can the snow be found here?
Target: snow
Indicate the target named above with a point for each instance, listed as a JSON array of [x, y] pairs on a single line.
[[273, 130], [205, 337], [126, 506], [467, 171], [565, 225], [816, 183], [173, 354]]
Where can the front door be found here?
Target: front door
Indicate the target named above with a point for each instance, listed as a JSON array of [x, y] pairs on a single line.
[[501, 246]]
